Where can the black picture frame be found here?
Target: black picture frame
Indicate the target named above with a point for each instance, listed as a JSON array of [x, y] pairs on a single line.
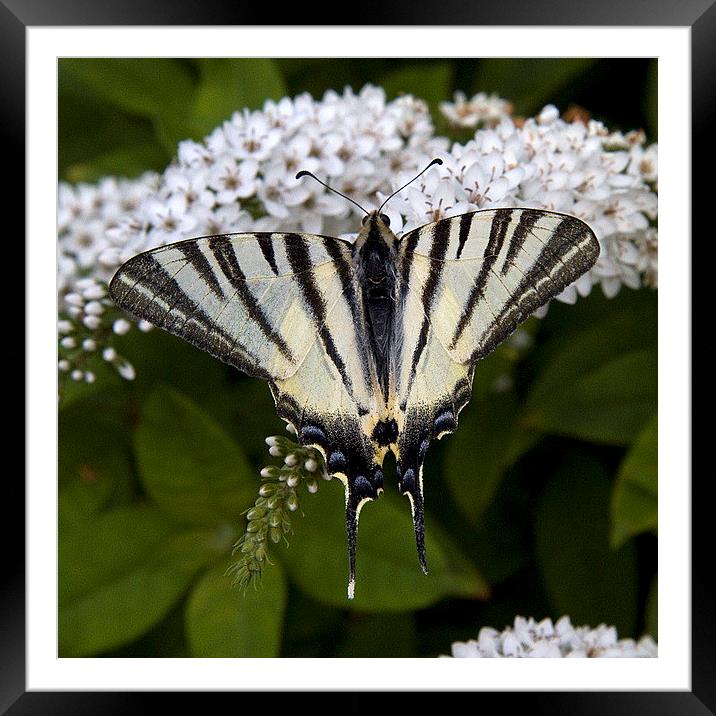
[[17, 15]]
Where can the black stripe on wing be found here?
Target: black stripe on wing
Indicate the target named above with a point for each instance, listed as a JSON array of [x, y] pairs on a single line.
[[528, 218], [464, 232], [265, 242], [195, 255], [299, 258], [223, 250], [348, 287], [144, 288], [438, 250], [498, 231], [570, 234]]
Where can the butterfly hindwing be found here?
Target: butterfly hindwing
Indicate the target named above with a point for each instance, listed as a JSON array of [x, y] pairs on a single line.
[[465, 284]]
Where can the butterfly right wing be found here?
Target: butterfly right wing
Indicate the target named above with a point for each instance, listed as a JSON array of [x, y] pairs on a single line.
[[466, 283]]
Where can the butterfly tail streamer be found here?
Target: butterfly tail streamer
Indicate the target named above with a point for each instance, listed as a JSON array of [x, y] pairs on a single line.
[[419, 524], [352, 532], [415, 494]]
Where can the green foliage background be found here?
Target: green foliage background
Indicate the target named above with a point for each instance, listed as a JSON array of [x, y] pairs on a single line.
[[543, 503]]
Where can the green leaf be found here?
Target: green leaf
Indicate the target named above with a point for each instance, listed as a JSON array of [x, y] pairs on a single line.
[[121, 572], [160, 357], [487, 442], [191, 468], [607, 405], [147, 87], [310, 626], [243, 406], [530, 90], [128, 161], [376, 636], [106, 380], [228, 85], [94, 458], [634, 498], [222, 621], [583, 576], [600, 385], [89, 129], [389, 578], [430, 82]]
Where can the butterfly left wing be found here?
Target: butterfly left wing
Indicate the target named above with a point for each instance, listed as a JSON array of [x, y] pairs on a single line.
[[465, 284], [285, 308]]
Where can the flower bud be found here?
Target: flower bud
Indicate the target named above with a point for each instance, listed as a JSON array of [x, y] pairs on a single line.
[[275, 535], [121, 326], [255, 513]]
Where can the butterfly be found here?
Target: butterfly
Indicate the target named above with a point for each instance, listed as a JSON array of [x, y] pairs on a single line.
[[367, 346]]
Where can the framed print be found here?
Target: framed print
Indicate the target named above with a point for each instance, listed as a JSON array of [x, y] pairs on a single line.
[[379, 238]]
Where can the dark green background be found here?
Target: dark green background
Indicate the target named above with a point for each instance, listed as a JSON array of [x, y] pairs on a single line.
[[542, 504]]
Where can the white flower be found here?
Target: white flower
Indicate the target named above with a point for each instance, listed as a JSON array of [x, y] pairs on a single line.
[[191, 186], [644, 162], [170, 220], [530, 639], [252, 136], [232, 179]]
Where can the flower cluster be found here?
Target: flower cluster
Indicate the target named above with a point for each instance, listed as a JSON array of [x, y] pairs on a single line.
[[242, 178], [482, 109], [86, 216], [577, 168], [269, 520], [528, 638]]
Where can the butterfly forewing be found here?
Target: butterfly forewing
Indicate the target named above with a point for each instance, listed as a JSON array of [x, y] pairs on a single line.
[[234, 296]]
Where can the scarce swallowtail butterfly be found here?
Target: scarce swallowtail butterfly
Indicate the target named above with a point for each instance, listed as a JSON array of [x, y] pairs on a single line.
[[367, 346]]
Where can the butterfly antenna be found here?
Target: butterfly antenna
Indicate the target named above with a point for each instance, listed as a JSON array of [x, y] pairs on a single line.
[[435, 161], [304, 173]]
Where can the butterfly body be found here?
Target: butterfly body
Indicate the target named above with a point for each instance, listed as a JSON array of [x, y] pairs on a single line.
[[370, 346]]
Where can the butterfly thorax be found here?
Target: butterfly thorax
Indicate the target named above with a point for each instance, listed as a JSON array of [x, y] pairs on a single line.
[[375, 251]]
